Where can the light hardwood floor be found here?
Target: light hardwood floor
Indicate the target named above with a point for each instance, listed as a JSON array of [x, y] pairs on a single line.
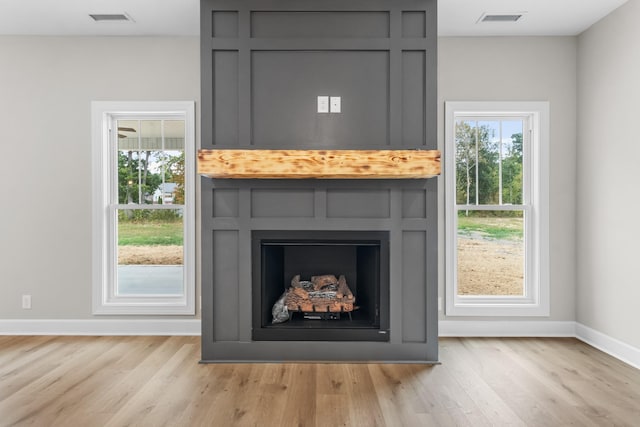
[[154, 381]]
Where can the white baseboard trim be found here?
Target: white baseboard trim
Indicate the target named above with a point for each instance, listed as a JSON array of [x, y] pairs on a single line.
[[447, 328], [487, 328], [609, 345], [100, 327]]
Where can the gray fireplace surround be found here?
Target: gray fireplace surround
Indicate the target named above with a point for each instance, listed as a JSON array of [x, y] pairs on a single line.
[[263, 64]]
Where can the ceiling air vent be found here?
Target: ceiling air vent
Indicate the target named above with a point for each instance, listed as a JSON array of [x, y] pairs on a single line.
[[500, 17], [110, 17]]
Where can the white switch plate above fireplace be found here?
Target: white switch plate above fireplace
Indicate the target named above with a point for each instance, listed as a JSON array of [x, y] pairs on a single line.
[[323, 104]]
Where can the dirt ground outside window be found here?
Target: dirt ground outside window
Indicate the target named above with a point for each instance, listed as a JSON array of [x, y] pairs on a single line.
[[150, 255], [490, 266]]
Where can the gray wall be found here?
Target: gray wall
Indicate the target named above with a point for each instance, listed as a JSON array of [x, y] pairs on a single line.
[[46, 86], [524, 69], [608, 153]]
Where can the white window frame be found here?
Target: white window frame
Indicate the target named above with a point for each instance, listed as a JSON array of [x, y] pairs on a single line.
[[105, 299], [536, 300]]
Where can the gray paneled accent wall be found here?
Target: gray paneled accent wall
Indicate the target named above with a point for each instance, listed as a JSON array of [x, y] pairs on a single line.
[[328, 24], [264, 62], [284, 87]]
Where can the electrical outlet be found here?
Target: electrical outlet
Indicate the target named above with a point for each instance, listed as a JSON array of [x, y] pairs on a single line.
[[439, 303], [335, 104], [26, 302]]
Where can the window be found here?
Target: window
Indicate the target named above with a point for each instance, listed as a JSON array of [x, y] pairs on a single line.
[[143, 198], [496, 175]]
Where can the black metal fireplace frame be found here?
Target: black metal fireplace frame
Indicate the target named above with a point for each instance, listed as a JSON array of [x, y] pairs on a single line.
[[368, 328]]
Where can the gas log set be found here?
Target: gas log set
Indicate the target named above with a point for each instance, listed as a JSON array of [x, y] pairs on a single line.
[[323, 297]]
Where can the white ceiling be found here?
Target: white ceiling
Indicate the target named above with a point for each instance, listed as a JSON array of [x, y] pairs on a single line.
[[180, 17]]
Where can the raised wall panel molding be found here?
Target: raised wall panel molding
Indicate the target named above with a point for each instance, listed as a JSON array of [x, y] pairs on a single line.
[[325, 164]]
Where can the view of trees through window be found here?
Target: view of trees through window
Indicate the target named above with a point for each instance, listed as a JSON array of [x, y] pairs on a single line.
[[490, 206], [151, 195]]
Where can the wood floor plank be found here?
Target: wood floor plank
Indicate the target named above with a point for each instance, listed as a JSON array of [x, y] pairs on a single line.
[[602, 392], [31, 401], [234, 405], [157, 381], [401, 395], [15, 348], [129, 376], [364, 409], [547, 387], [447, 402], [177, 395], [30, 364], [300, 407], [147, 397], [211, 383], [465, 368], [331, 394], [269, 396], [523, 390]]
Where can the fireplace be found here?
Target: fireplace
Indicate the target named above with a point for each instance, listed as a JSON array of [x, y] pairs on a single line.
[[341, 199], [359, 258]]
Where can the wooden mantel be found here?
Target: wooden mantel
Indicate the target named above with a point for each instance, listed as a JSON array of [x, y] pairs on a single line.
[[319, 164]]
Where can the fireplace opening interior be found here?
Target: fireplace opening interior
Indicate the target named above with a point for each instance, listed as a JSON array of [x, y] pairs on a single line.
[[354, 267]]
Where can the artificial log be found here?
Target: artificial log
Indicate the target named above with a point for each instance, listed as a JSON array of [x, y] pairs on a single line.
[[322, 294], [323, 282], [343, 289], [324, 164]]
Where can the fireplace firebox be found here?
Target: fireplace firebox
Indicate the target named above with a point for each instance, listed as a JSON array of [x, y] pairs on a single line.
[[352, 264]]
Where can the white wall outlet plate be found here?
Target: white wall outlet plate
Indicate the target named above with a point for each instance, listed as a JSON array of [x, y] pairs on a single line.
[[323, 104], [26, 302], [335, 104]]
